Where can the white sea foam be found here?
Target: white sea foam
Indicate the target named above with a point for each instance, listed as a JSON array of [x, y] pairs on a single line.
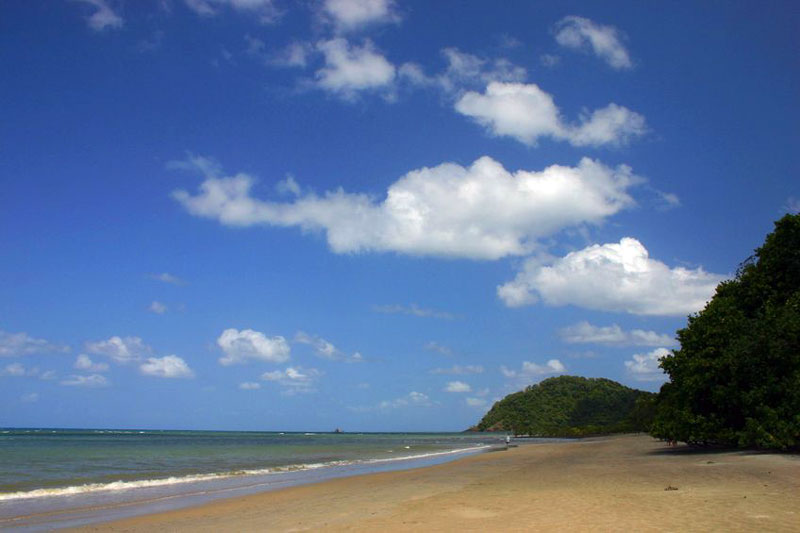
[[148, 483]]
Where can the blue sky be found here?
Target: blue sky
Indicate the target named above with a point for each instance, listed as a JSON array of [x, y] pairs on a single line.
[[374, 215]]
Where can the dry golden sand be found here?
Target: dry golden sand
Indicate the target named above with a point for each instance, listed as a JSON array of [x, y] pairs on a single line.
[[610, 484]]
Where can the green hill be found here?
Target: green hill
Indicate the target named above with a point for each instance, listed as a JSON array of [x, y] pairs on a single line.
[[571, 406]]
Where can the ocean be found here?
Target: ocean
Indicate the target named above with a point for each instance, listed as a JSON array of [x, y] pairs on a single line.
[[66, 477]]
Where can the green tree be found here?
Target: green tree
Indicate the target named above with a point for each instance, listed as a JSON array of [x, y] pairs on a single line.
[[569, 406], [735, 381]]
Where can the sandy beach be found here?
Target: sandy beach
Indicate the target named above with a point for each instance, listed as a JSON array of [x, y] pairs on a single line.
[[625, 483]]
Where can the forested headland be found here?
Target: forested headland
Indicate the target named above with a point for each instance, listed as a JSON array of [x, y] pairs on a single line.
[[570, 406]]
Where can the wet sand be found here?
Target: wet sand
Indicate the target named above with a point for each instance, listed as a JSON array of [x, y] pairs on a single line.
[[625, 483]]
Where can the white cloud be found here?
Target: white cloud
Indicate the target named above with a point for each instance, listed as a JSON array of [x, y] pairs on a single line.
[[413, 310], [91, 381], [509, 41], [349, 15], [326, 349], [617, 277], [526, 113], [457, 386], [549, 60], [104, 17], [166, 277], [459, 370], [169, 366], [293, 55], [475, 402], [14, 369], [83, 362], [322, 347], [644, 367], [288, 186], [119, 349], [581, 33], [464, 69], [19, 344], [294, 380], [481, 212], [669, 200], [249, 385], [157, 308], [19, 370], [792, 205], [264, 10], [434, 346], [30, 397], [412, 399], [530, 372], [208, 166], [352, 68], [239, 346], [255, 46], [584, 332]]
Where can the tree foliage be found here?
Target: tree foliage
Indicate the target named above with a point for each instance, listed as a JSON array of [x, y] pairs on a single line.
[[570, 406], [735, 381]]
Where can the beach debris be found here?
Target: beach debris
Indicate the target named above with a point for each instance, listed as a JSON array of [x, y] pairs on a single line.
[[670, 487]]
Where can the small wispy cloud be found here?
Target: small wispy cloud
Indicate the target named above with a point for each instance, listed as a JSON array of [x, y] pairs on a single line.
[[30, 397], [352, 15], [413, 310], [434, 346], [104, 17], [157, 308], [549, 60], [85, 363], [294, 380], [169, 366], [457, 386], [120, 349], [644, 367], [19, 344], [532, 372], [411, 399], [18, 370], [613, 335], [579, 33], [326, 349], [166, 277], [459, 370], [263, 11], [89, 381], [477, 403]]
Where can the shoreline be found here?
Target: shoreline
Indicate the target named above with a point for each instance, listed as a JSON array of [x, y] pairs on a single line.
[[629, 482], [126, 500]]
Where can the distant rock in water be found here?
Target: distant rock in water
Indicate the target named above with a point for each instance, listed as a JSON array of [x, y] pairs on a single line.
[[571, 406]]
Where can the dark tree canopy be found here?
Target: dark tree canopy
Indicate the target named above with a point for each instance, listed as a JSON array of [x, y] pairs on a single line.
[[735, 381], [569, 406]]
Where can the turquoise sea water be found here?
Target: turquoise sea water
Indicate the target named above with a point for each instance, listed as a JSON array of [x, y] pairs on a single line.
[[49, 470]]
